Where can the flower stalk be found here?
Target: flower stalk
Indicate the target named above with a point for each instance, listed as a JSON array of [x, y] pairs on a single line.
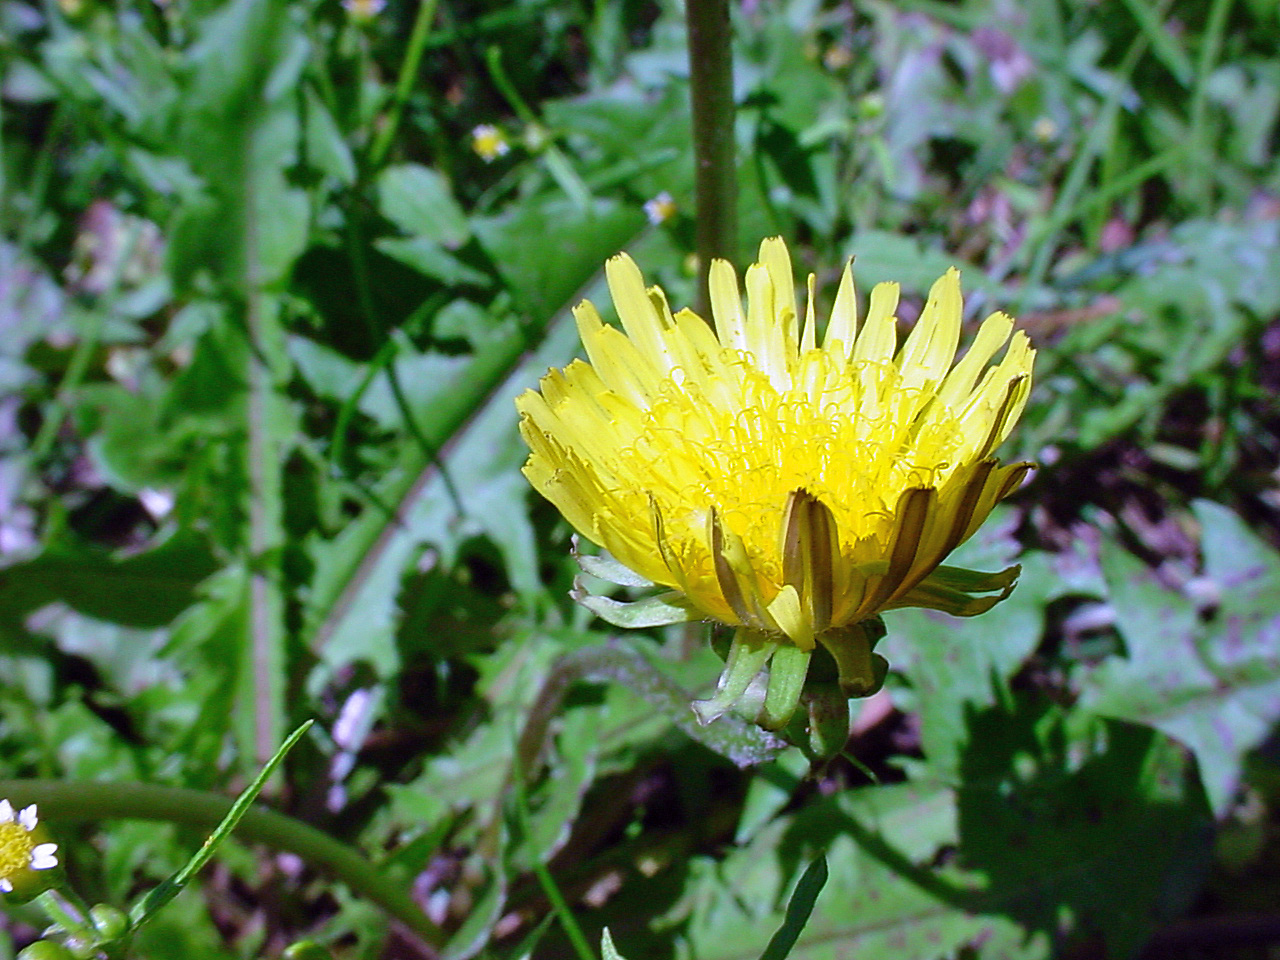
[[72, 800], [715, 173]]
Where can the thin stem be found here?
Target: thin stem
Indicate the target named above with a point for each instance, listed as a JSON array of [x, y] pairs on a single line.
[[42, 172], [66, 914], [558, 903], [338, 445], [263, 470], [715, 177], [1063, 211], [1210, 46], [498, 73], [411, 424], [63, 396], [556, 163], [385, 358], [404, 83], [71, 800]]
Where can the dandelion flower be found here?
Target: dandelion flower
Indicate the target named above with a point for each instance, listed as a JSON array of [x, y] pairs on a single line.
[[789, 488], [489, 142], [20, 850]]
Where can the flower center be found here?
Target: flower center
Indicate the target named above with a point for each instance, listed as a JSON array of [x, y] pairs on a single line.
[[16, 845], [854, 445]]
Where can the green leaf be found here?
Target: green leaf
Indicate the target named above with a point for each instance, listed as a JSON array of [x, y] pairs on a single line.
[[145, 589], [955, 665], [489, 896], [541, 286], [420, 202], [430, 258], [771, 789], [351, 611], [1163, 44], [567, 178], [554, 805], [160, 895], [326, 148], [237, 128], [799, 909], [351, 608], [882, 256], [1201, 288], [607, 950], [1214, 685], [130, 662], [876, 907], [1096, 829]]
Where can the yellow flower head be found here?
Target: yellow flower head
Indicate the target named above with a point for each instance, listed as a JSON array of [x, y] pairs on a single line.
[[791, 489], [20, 851]]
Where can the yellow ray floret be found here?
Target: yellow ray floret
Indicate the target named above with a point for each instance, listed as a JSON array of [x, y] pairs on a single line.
[[782, 486]]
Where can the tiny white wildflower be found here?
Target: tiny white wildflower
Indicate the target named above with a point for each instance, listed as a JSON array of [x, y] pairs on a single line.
[[489, 142], [363, 12], [660, 209], [1045, 129], [19, 849]]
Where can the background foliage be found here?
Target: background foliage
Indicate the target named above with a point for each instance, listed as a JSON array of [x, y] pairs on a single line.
[[263, 310]]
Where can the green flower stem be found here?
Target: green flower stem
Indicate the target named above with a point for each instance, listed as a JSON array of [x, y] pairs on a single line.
[[1210, 48], [715, 176], [404, 83], [498, 73], [71, 800], [552, 892], [67, 915]]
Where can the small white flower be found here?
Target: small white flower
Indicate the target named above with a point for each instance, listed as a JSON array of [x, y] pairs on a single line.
[[19, 850], [1044, 129], [489, 142], [363, 12], [660, 209]]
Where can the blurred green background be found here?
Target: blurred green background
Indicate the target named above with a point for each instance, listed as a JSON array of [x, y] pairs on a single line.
[[264, 306]]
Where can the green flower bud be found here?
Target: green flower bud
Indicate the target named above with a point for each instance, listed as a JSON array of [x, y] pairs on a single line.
[[46, 950], [110, 923]]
